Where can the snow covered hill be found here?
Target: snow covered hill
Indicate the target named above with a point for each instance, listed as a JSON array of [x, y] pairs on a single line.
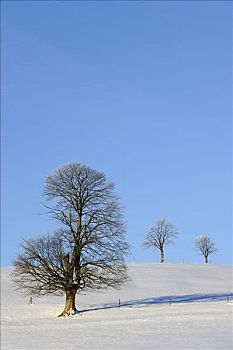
[[162, 307]]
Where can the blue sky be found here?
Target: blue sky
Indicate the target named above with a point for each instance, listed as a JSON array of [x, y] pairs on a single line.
[[138, 90]]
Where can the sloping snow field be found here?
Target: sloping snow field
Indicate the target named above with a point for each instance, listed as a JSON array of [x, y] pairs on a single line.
[[162, 307]]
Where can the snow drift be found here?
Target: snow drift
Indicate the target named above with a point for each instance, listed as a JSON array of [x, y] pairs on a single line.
[[161, 307]]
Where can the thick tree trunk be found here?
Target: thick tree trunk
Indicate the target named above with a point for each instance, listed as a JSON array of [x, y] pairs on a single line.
[[161, 255], [70, 303], [206, 259]]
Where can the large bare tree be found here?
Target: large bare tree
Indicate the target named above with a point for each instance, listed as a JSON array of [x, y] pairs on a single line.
[[160, 235], [204, 246], [87, 252]]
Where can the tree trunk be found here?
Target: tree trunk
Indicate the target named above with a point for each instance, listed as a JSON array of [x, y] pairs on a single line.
[[70, 303], [161, 255], [206, 259]]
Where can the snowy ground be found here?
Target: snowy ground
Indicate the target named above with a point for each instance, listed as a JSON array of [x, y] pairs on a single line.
[[199, 317]]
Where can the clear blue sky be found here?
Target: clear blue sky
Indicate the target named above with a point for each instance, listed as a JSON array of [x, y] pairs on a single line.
[[138, 90]]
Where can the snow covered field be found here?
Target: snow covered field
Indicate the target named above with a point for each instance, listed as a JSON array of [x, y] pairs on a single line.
[[162, 307]]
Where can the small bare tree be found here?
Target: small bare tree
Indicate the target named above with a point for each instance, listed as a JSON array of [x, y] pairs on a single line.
[[204, 246], [160, 235], [88, 252]]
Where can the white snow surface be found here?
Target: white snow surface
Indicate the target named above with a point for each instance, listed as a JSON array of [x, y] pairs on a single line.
[[199, 315]]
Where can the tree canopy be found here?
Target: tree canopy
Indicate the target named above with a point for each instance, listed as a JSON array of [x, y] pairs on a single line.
[[87, 252], [205, 246], [161, 234]]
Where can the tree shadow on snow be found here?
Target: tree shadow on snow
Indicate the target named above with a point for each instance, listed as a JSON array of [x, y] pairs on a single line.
[[168, 299]]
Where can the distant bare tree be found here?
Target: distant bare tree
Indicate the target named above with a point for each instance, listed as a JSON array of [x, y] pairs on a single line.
[[88, 252], [160, 235], [204, 246]]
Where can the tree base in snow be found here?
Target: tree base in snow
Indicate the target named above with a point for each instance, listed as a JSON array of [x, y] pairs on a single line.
[[69, 313]]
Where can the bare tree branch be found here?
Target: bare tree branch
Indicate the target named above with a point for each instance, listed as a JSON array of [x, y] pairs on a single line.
[[204, 246], [161, 234], [88, 252]]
